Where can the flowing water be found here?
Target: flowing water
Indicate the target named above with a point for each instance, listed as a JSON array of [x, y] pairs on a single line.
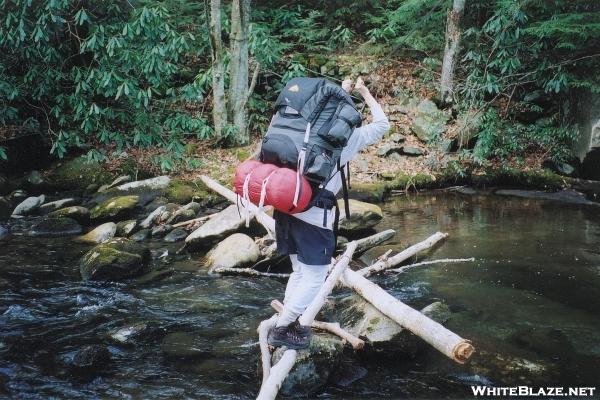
[[529, 303]]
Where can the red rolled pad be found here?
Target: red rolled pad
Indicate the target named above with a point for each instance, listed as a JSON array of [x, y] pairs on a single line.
[[241, 172], [256, 178], [281, 189]]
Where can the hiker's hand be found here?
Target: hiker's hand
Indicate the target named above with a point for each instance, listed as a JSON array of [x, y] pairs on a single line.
[[347, 85], [360, 86]]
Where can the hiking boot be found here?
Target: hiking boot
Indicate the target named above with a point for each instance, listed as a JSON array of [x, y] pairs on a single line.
[[294, 336]]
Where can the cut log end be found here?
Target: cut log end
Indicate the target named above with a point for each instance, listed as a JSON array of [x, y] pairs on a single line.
[[463, 351]]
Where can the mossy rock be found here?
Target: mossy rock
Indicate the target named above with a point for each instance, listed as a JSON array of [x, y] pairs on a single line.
[[114, 208], [362, 216], [115, 260], [417, 181], [78, 213], [531, 179], [77, 174], [182, 192], [55, 227], [369, 192]]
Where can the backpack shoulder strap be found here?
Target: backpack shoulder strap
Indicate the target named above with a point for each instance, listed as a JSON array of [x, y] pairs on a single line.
[[344, 189]]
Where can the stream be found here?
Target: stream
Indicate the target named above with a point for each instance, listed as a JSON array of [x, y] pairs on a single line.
[[529, 303]]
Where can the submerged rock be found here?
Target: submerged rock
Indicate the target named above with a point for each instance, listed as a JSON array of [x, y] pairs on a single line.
[[134, 333], [160, 182], [92, 356], [56, 205], [185, 345], [78, 213], [141, 236], [100, 234], [237, 250], [176, 235], [126, 228], [55, 227], [362, 215], [220, 225], [115, 208], [28, 206], [313, 366], [115, 260]]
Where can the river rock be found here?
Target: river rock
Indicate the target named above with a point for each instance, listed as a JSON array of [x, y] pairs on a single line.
[[362, 215], [153, 217], [4, 233], [56, 205], [220, 225], [383, 335], [176, 235], [141, 236], [78, 213], [313, 366], [160, 182], [134, 333], [115, 208], [28, 206], [16, 196], [161, 231], [115, 260], [118, 181], [5, 209], [429, 122], [237, 250], [91, 357], [100, 234], [185, 345], [55, 227], [77, 174], [126, 228]]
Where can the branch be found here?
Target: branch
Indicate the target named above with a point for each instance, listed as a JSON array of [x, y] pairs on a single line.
[[404, 268], [247, 272]]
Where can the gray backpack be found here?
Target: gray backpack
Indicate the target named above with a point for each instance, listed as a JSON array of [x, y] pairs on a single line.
[[313, 123]]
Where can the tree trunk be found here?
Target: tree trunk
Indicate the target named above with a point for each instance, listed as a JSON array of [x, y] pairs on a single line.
[[213, 10], [238, 72], [453, 34]]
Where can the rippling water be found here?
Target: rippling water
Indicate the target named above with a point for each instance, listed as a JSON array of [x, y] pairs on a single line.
[[529, 304]]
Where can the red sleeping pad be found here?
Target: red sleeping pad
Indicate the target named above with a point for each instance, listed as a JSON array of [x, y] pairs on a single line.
[[278, 184]]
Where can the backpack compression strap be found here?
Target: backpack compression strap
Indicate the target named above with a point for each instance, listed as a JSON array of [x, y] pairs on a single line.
[[344, 190], [301, 161]]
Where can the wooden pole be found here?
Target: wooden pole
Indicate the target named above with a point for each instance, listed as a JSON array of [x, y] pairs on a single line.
[[403, 255], [278, 373]]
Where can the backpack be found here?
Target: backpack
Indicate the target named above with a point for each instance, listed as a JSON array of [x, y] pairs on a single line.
[[313, 122]]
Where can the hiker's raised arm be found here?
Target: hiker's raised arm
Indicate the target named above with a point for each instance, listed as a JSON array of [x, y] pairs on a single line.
[[374, 131]]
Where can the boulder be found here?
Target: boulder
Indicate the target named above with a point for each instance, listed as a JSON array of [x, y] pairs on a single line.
[[182, 192], [126, 228], [176, 235], [313, 366], [5, 209], [115, 260], [383, 335], [118, 181], [28, 206], [237, 250], [362, 216], [78, 213], [161, 231], [115, 208], [141, 236], [149, 221], [93, 356], [429, 122], [100, 234], [55, 227], [160, 182], [77, 174], [220, 225], [56, 205]]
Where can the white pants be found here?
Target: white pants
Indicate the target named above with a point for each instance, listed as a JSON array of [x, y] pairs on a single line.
[[302, 287]]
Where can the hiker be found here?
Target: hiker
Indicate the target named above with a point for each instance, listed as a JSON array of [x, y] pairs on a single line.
[[308, 237]]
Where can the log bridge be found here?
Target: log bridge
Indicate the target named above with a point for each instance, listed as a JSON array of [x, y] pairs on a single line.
[[448, 343]]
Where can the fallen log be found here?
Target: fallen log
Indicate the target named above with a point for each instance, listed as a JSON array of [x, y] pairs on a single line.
[[331, 327], [247, 272], [365, 244], [261, 216], [442, 339], [280, 371], [263, 332], [404, 268], [191, 221], [403, 255]]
